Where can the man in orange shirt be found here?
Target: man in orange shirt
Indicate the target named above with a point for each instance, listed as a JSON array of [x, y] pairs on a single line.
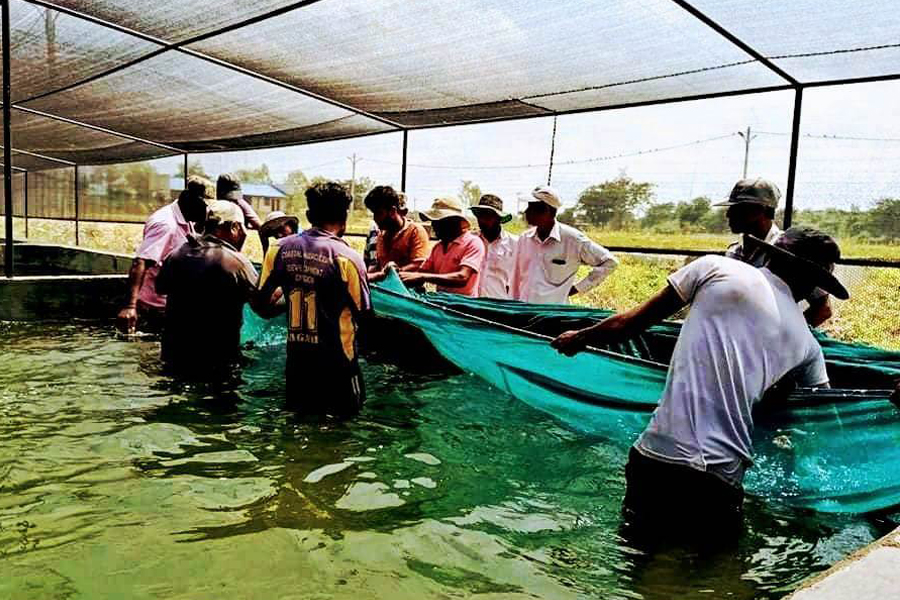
[[400, 241]]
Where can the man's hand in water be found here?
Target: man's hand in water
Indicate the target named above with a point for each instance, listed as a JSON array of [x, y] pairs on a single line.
[[126, 320]]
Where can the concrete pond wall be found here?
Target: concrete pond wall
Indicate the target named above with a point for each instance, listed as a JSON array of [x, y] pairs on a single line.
[[59, 283]]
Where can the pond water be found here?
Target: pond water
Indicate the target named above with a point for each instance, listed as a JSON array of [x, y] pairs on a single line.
[[116, 482]]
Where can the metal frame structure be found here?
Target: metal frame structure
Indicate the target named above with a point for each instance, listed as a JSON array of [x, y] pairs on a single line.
[[790, 83]]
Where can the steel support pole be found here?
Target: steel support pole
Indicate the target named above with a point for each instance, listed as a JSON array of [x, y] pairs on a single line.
[[25, 190], [403, 161], [792, 164], [185, 170], [77, 206], [7, 146]]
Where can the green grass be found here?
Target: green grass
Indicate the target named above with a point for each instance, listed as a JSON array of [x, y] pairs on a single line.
[[871, 316]]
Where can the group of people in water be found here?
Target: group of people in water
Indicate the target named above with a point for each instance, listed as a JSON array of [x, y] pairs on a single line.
[[744, 341]]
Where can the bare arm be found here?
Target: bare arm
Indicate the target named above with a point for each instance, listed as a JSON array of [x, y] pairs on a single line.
[[126, 320], [455, 279], [623, 325]]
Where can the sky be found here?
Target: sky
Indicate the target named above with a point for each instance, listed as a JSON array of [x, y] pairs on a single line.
[[686, 149]]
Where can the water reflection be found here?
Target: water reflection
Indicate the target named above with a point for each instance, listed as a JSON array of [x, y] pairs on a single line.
[[441, 485]]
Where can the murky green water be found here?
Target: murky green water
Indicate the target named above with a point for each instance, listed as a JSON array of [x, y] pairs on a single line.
[[117, 483]]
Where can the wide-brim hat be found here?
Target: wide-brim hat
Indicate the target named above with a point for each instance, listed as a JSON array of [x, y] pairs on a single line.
[[547, 195], [443, 208], [820, 272], [754, 190], [277, 219]]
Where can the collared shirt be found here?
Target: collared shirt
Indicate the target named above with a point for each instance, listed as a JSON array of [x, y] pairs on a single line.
[[465, 251], [407, 245], [495, 277], [166, 231], [758, 257], [207, 282], [545, 269], [743, 333]]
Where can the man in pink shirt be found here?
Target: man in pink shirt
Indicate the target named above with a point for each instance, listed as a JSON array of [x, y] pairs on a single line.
[[166, 230], [456, 259]]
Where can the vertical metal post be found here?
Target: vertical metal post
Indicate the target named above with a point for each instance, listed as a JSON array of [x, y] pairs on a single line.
[[552, 152], [77, 206], [403, 161], [185, 170], [25, 190], [792, 165], [7, 145]]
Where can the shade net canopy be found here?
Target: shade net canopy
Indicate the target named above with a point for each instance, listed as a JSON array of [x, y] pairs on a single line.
[[833, 450], [127, 80]]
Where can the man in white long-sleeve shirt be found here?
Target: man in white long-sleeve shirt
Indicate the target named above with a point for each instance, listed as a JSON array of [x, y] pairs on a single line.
[[549, 254]]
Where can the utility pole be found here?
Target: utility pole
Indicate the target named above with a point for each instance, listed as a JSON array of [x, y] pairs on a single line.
[[747, 137], [353, 160]]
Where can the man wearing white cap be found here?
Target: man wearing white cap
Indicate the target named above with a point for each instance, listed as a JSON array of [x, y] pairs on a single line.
[[455, 261], [207, 281], [549, 254], [751, 210]]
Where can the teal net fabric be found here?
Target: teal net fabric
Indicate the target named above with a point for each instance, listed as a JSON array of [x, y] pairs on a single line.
[[834, 450]]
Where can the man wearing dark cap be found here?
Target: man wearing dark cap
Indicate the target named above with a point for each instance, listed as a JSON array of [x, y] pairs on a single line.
[[751, 210], [166, 230], [228, 187], [744, 333], [324, 281], [500, 245], [400, 241]]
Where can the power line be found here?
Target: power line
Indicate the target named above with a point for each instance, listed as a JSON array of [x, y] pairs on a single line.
[[826, 136]]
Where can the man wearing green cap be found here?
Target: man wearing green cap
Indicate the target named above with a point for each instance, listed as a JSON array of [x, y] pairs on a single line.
[[751, 210], [455, 261], [500, 248]]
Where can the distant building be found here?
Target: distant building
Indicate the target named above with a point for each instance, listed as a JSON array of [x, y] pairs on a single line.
[[264, 197]]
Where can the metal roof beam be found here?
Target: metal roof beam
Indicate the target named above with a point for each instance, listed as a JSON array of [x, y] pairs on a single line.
[[737, 42], [166, 46], [112, 132], [43, 157]]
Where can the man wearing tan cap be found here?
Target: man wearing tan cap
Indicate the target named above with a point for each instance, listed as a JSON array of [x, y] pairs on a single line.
[[495, 278], [549, 254], [751, 210], [166, 230], [207, 281], [455, 261]]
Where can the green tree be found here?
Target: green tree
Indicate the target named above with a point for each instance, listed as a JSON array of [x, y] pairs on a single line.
[[884, 219], [258, 175], [195, 167], [294, 187], [613, 203], [469, 193], [657, 214], [715, 221], [690, 214]]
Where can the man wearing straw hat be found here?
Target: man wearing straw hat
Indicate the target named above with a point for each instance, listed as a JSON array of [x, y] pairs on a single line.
[[751, 210], [549, 254], [455, 261], [744, 333], [500, 248]]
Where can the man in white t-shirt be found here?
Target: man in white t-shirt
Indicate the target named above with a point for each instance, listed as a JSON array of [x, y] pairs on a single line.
[[743, 334]]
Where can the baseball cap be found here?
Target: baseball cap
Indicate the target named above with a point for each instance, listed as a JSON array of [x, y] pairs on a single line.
[[547, 195], [224, 211]]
